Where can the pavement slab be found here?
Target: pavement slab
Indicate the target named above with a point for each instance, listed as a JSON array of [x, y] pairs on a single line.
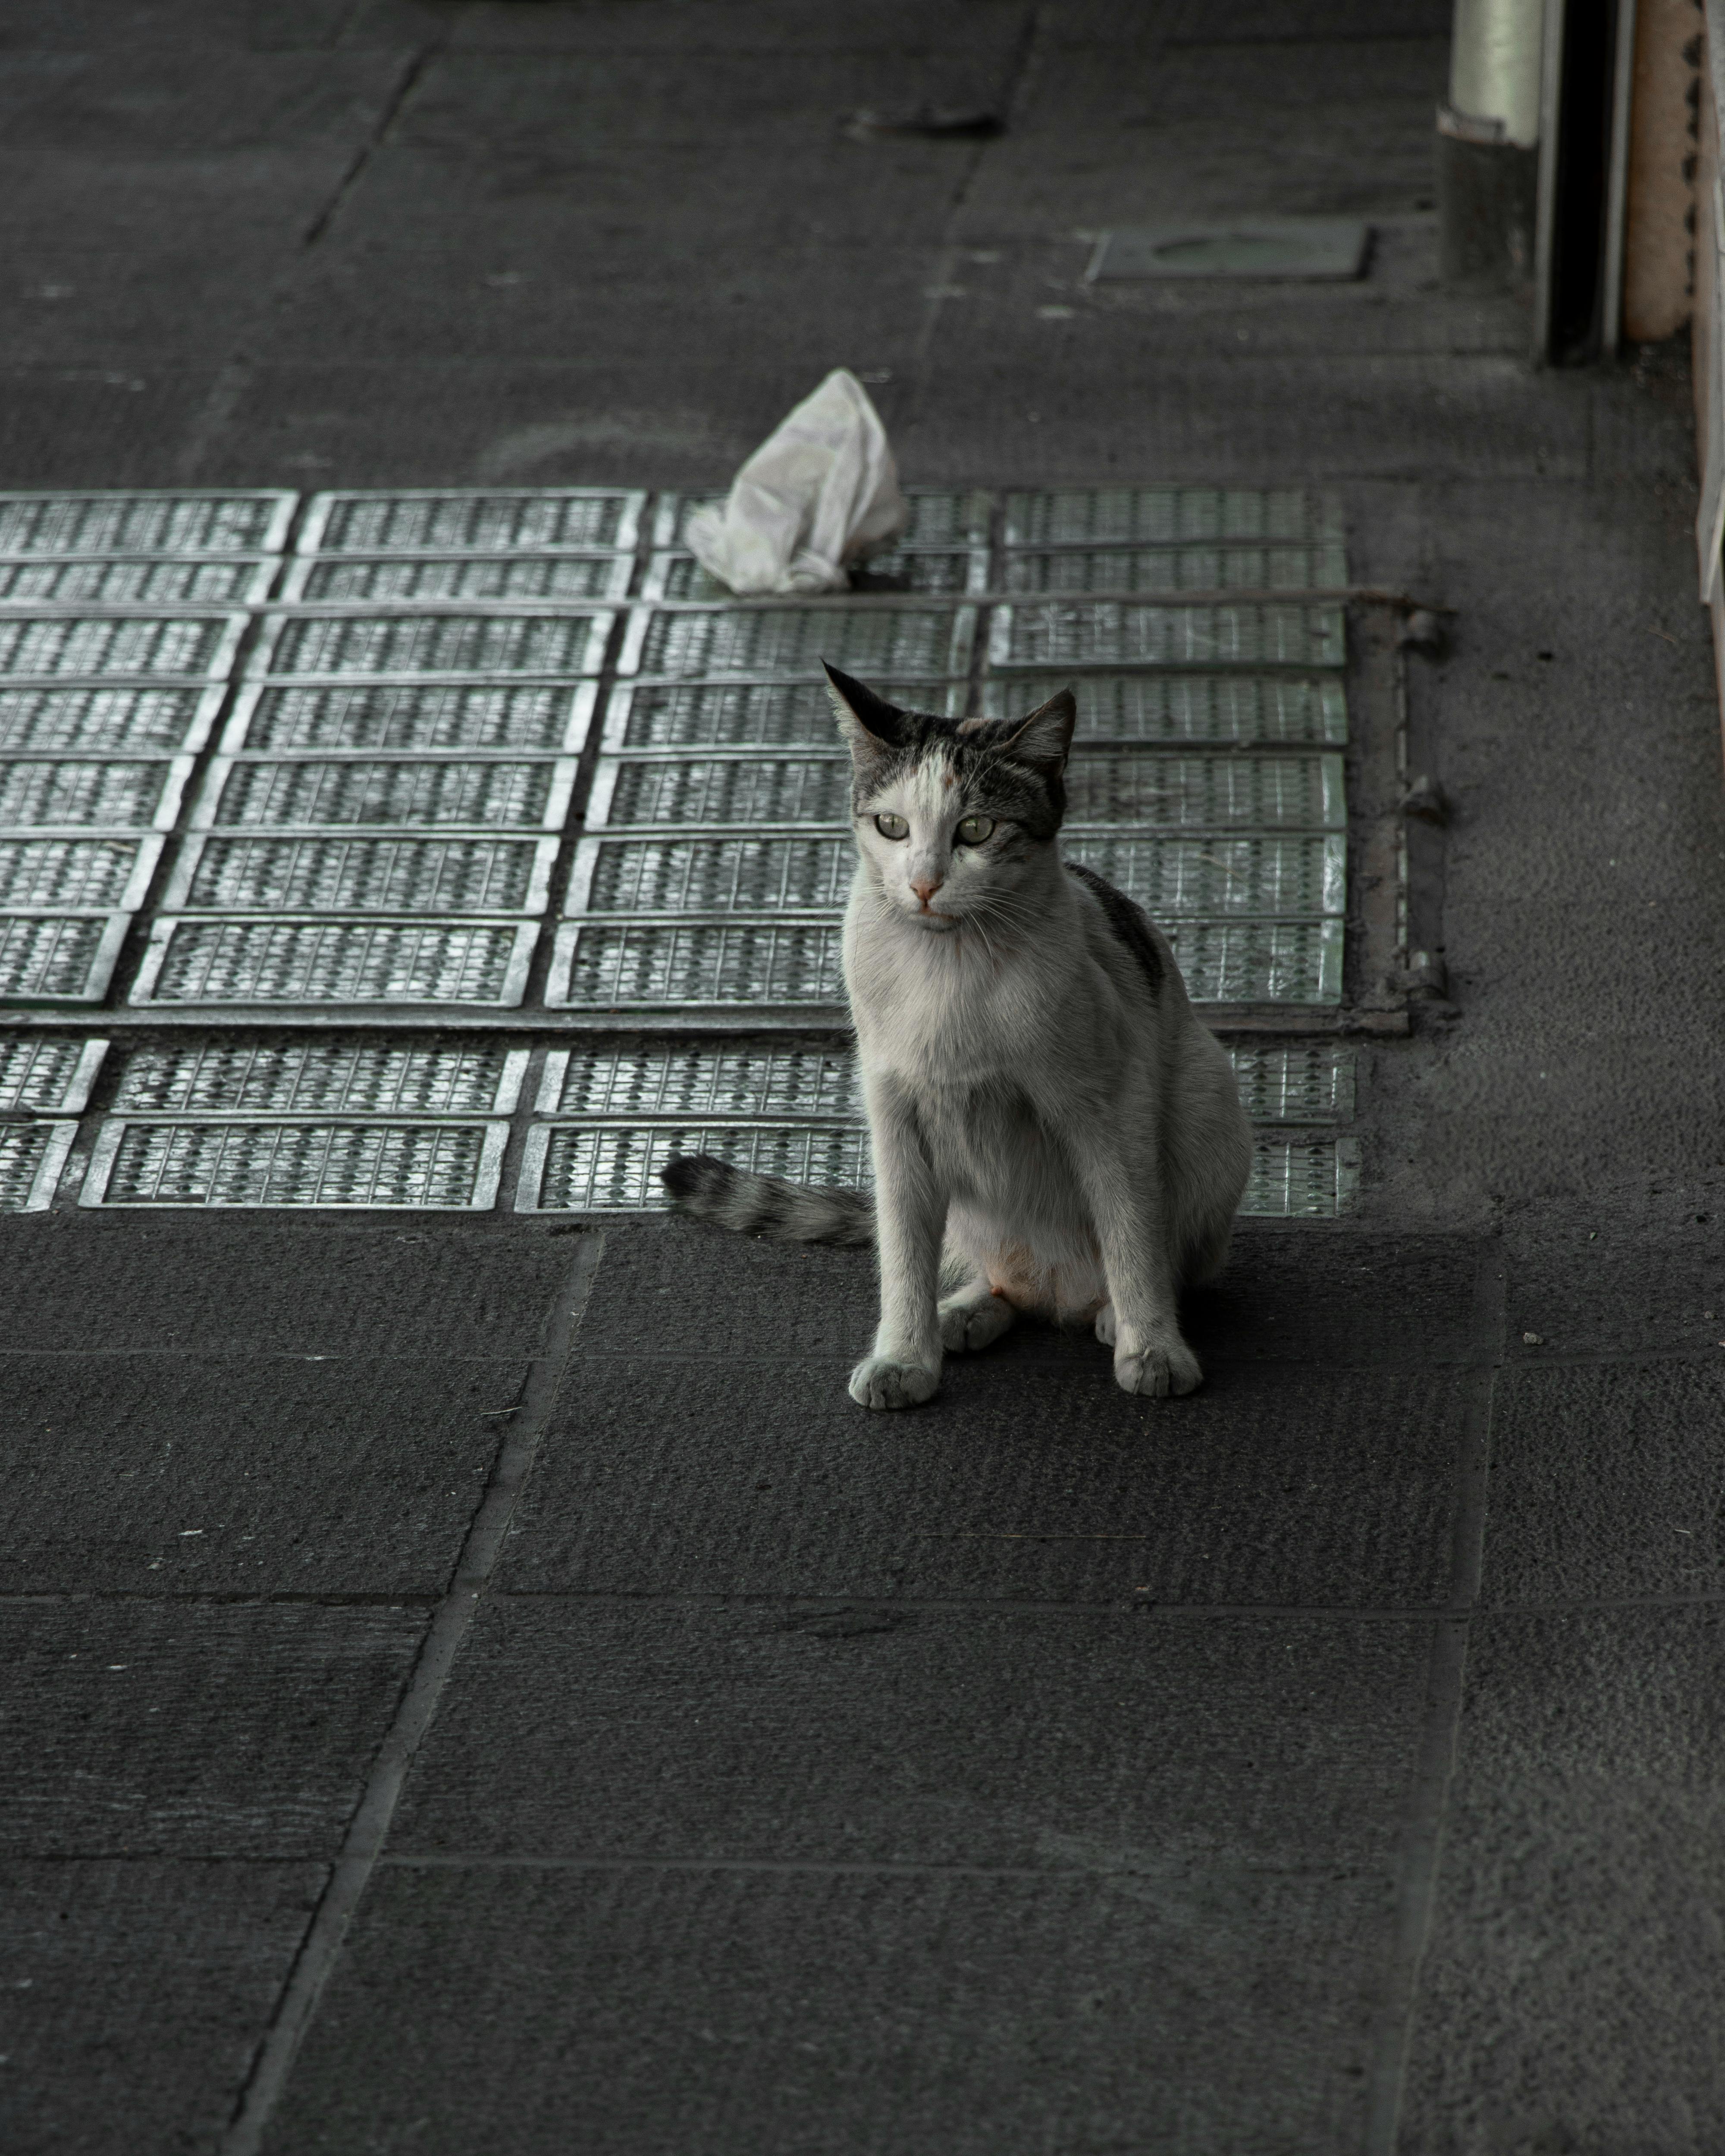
[[877, 1735], [191, 1956], [149, 1728], [1583, 1878], [239, 1474], [644, 2011]]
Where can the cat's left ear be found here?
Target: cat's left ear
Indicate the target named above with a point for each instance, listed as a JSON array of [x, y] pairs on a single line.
[[1046, 737], [871, 726]]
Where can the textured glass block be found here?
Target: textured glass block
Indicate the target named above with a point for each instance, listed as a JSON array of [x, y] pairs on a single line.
[[236, 582], [1221, 875], [31, 1156], [513, 796], [740, 714], [1219, 709], [1105, 786], [44, 1075], [939, 516], [65, 958], [141, 720], [711, 1080], [1310, 1083], [475, 520], [873, 638], [366, 876], [316, 1078], [728, 790], [63, 645], [390, 581], [345, 1164], [1258, 961], [1293, 1181], [947, 569], [73, 872], [746, 964], [416, 715], [617, 1171], [1162, 516], [209, 523], [712, 876], [43, 795], [294, 962], [566, 644], [1099, 633], [1175, 569]]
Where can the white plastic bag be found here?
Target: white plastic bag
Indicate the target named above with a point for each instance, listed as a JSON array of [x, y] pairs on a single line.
[[820, 492]]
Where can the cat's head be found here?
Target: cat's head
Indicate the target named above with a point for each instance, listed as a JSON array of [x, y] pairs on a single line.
[[953, 817]]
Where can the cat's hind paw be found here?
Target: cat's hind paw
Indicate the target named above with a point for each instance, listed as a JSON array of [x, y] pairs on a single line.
[[967, 1323], [1158, 1374], [875, 1382], [1105, 1325]]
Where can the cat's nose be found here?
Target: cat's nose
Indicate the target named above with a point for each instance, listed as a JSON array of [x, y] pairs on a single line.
[[926, 886]]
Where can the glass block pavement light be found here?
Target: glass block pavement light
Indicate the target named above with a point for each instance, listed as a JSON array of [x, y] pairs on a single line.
[[465, 623], [613, 1116]]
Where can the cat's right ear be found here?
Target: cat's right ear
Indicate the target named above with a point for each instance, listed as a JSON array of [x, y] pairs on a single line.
[[872, 727]]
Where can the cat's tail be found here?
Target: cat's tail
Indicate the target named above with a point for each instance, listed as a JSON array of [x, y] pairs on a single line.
[[709, 1189]]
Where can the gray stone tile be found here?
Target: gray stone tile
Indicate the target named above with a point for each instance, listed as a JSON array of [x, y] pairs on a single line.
[[135, 1996], [524, 422], [255, 1286], [996, 395], [818, 2015], [1307, 129], [1571, 1993], [171, 305], [1587, 1285], [763, 29], [111, 424], [812, 1734], [345, 1475], [1296, 1293], [670, 315], [120, 101], [193, 1729], [1606, 1483], [1024, 1481]]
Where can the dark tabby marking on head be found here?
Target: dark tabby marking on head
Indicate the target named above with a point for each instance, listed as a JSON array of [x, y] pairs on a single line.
[[1126, 920], [736, 1197], [1008, 768]]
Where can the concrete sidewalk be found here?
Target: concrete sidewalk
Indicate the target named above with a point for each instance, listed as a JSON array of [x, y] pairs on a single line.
[[480, 1684]]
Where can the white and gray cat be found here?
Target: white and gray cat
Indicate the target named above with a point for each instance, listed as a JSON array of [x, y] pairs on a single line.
[[1055, 1132]]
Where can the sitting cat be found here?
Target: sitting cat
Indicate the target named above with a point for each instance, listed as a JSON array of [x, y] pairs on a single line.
[[1053, 1130]]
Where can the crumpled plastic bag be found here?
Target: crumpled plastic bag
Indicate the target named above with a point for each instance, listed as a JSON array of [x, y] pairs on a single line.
[[821, 492]]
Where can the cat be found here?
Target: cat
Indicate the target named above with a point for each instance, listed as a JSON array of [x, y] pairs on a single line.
[[1055, 1132]]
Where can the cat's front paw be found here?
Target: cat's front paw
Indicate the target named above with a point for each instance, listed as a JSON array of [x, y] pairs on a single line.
[[875, 1382], [968, 1326], [1158, 1372]]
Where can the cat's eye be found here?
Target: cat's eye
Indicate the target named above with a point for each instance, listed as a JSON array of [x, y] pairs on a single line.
[[892, 827], [973, 829]]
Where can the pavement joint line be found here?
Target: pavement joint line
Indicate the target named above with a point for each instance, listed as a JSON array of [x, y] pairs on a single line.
[[1421, 1613], [1430, 1797], [325, 1936], [454, 1861]]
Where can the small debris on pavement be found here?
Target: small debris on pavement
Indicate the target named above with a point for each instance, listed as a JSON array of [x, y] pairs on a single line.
[[938, 123], [1426, 799], [1533, 1340]]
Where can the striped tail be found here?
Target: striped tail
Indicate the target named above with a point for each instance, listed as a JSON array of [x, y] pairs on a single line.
[[709, 1189]]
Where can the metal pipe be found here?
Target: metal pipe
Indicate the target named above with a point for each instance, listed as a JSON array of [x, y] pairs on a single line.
[[1495, 55]]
